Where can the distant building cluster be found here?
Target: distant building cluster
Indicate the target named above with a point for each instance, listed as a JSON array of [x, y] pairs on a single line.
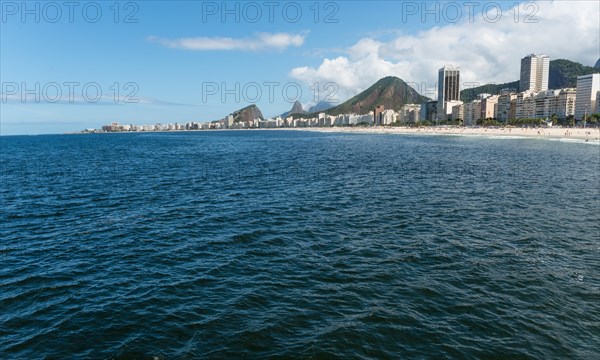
[[408, 114], [116, 127], [533, 101], [512, 105], [380, 116]]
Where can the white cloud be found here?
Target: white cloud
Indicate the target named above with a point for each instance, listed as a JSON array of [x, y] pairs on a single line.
[[260, 41], [486, 52]]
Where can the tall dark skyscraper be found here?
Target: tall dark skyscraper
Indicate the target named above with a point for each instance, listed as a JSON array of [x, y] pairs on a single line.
[[448, 88]]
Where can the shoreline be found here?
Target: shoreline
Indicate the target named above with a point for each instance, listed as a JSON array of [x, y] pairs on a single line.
[[584, 134], [590, 134]]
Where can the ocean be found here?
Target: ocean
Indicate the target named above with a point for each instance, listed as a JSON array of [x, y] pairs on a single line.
[[303, 245]]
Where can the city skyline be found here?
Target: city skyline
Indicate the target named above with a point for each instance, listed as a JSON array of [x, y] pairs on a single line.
[[161, 70], [547, 106], [527, 102], [510, 104]]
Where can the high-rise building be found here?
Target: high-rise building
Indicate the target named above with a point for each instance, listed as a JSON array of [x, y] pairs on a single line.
[[587, 90], [566, 103], [409, 113], [546, 104], [377, 115], [229, 121], [534, 73], [449, 105], [504, 106], [525, 105], [472, 113], [448, 90], [388, 117], [489, 107], [429, 111], [458, 112]]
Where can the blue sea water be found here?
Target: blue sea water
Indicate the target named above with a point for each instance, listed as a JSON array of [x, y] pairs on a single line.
[[289, 244]]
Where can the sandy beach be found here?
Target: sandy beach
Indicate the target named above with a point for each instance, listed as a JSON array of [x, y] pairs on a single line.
[[592, 135]]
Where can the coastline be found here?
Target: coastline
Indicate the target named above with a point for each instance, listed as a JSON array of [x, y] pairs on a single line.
[[590, 134]]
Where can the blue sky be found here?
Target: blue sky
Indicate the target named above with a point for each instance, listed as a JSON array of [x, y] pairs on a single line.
[[173, 54]]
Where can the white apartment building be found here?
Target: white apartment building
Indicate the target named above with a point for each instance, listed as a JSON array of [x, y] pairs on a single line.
[[504, 107], [489, 107], [355, 119], [447, 111], [587, 91], [525, 106], [229, 121], [534, 73], [388, 117], [541, 105], [410, 113], [458, 112], [472, 113], [546, 103], [565, 106]]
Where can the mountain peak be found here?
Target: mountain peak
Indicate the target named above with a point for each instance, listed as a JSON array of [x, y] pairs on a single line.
[[390, 79], [248, 113], [390, 91], [296, 109], [321, 106]]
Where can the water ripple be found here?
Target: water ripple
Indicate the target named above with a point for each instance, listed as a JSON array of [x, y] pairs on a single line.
[[298, 245]]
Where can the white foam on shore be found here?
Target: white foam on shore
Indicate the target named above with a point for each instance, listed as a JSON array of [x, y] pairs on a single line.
[[576, 141], [483, 136], [522, 137], [508, 137]]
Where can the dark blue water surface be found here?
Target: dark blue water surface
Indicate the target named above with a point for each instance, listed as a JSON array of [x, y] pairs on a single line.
[[289, 244]]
